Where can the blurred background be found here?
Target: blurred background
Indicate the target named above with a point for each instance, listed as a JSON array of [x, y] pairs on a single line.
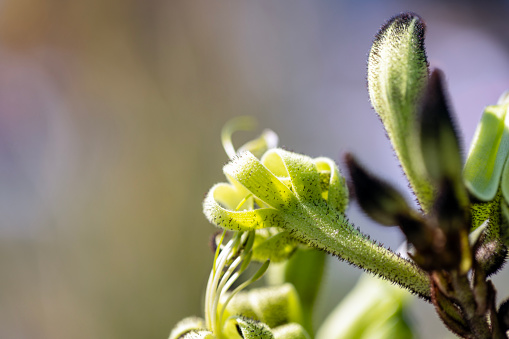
[[110, 114]]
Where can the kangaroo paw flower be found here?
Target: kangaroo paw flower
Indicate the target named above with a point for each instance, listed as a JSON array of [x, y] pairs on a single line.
[[290, 192]]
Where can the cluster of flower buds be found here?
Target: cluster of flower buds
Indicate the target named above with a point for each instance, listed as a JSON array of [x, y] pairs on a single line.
[[276, 201], [463, 221]]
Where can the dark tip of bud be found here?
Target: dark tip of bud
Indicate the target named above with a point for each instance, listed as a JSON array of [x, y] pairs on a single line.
[[417, 232], [439, 139], [503, 315], [434, 109], [403, 20], [377, 198], [450, 212]]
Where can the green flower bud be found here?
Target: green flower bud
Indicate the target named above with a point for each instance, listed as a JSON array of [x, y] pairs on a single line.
[[304, 270], [488, 154], [191, 324], [274, 306], [279, 183], [290, 331], [397, 75], [247, 328]]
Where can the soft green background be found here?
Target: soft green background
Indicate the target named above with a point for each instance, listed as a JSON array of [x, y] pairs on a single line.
[[110, 113]]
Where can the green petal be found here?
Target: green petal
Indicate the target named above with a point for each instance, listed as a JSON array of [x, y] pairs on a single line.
[[267, 140], [488, 154], [301, 169], [231, 195], [337, 190], [261, 182], [238, 220]]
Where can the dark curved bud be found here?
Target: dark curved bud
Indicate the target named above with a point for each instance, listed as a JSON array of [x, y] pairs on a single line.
[[452, 216], [503, 315], [418, 233], [378, 199], [435, 254], [439, 140]]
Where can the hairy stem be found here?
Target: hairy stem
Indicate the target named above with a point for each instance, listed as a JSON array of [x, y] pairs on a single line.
[[333, 233]]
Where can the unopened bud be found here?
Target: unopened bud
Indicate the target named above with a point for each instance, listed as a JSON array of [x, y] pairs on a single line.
[[378, 199], [397, 75]]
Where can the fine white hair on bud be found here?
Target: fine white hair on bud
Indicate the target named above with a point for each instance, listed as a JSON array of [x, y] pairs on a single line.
[[397, 75]]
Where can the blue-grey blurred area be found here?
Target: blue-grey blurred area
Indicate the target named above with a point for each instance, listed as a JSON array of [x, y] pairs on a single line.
[[110, 115]]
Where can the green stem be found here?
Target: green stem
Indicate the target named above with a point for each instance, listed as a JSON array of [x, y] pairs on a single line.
[[333, 233], [477, 320]]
